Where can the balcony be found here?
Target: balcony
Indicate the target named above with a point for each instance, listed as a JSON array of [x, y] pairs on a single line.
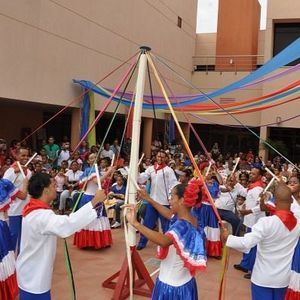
[[227, 63]]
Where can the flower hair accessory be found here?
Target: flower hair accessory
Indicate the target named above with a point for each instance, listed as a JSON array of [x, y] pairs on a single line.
[[191, 193]]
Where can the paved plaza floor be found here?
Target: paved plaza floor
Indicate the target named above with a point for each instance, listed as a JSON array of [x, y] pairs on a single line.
[[92, 267]]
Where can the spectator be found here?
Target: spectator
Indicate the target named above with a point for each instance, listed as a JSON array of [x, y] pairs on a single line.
[[60, 181], [8, 162], [107, 152], [15, 144], [71, 185], [52, 150], [63, 153], [115, 147], [118, 191], [215, 151], [3, 154], [84, 150]]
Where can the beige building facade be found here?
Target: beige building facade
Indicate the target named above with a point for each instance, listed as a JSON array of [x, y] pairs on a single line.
[[207, 55], [47, 43]]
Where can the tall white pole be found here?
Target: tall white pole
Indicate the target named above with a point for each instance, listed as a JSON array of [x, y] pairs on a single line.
[[135, 141]]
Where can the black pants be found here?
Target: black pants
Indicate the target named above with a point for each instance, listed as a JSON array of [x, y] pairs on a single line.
[[231, 218]]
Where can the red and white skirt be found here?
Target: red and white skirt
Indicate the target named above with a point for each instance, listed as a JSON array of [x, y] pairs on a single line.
[[8, 282], [208, 220]]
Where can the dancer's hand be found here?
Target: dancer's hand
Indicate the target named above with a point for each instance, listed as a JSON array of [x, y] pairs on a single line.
[[99, 197], [111, 169], [25, 183], [262, 202], [142, 194], [131, 214], [224, 235]]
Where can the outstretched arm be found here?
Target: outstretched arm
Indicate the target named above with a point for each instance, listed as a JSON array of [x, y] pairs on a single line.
[[164, 211], [154, 236]]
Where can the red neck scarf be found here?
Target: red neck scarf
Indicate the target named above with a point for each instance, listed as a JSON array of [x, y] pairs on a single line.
[[34, 204], [287, 218], [158, 167], [256, 184], [15, 166]]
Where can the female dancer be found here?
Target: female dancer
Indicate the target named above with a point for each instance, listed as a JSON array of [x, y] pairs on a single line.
[[98, 233], [181, 248]]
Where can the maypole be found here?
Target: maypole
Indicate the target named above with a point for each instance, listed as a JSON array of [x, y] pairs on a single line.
[[135, 138], [133, 274]]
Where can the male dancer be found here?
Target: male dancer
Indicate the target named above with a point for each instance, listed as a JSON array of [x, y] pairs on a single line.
[[276, 238], [15, 211], [162, 180]]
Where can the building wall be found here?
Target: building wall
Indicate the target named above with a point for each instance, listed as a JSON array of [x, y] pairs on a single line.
[[210, 81], [238, 26], [206, 44], [277, 11], [15, 117], [45, 44], [280, 11]]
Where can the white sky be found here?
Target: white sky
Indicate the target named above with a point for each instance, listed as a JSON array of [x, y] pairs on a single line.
[[208, 14]]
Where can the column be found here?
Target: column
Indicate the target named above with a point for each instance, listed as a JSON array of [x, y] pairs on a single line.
[[263, 149], [147, 136], [75, 127], [186, 130]]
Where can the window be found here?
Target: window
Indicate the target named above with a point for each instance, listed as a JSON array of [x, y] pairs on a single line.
[[179, 22], [285, 34]]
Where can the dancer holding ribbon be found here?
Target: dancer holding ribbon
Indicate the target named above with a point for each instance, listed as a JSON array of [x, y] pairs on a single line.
[[97, 234], [181, 248], [16, 174]]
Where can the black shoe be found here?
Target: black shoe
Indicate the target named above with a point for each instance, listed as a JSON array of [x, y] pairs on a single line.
[[138, 247], [217, 257], [247, 276], [240, 268]]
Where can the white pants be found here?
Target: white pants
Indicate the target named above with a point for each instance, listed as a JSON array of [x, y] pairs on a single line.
[[63, 198]]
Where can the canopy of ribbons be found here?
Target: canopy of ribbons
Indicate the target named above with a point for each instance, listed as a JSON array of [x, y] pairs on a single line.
[[201, 103]]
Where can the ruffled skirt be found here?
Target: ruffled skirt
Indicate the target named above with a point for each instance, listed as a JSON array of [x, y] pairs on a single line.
[[8, 282], [208, 220], [97, 234], [163, 291], [293, 292]]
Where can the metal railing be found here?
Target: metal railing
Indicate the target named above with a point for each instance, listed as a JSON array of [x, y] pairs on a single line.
[[227, 63]]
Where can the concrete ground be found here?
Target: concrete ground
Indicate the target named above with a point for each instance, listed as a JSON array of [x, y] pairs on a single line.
[[92, 267]]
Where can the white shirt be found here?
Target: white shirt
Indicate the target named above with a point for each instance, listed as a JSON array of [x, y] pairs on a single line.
[[105, 153], [16, 206], [252, 202], [162, 182], [227, 200], [63, 155], [275, 250], [40, 229], [91, 188], [295, 207], [172, 269], [71, 176]]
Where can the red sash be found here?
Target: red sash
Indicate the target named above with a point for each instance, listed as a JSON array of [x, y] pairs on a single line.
[[158, 167], [33, 205], [287, 218], [256, 184]]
